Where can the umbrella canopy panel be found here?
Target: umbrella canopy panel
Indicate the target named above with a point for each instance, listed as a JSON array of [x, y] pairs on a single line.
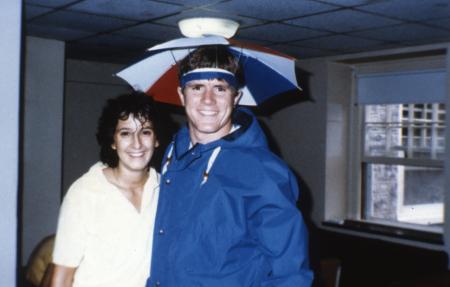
[[266, 73]]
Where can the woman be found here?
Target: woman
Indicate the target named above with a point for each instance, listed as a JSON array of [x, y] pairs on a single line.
[[105, 227]]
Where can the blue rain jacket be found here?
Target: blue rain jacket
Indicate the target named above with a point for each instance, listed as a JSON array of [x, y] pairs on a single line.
[[239, 228]]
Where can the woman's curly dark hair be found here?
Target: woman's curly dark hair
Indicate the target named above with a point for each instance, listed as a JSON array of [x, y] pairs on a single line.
[[140, 106]]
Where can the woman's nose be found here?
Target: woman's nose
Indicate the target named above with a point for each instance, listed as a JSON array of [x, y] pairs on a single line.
[[136, 140]]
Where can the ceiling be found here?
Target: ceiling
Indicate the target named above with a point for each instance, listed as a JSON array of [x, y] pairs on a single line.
[[121, 30]]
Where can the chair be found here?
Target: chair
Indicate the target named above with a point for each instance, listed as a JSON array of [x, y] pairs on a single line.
[[330, 272], [39, 266]]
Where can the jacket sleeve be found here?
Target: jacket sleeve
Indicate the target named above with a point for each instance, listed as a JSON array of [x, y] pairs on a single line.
[[278, 227]]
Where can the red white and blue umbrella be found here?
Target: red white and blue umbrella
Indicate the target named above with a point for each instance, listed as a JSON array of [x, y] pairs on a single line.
[[267, 72]]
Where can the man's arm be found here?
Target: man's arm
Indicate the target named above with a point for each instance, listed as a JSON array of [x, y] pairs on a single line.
[[61, 276], [279, 228]]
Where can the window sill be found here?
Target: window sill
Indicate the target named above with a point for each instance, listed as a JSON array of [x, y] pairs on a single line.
[[395, 232]]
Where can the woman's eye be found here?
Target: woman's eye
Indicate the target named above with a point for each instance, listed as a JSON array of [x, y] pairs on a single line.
[[147, 132], [124, 134]]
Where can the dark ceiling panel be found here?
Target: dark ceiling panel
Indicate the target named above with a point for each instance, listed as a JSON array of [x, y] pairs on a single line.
[[51, 3], [343, 21], [59, 33], [341, 43], [349, 3], [115, 40], [304, 28], [173, 20], [279, 33], [273, 10], [81, 21], [32, 11], [405, 33], [152, 31], [443, 23], [134, 10], [192, 3], [301, 52], [411, 9]]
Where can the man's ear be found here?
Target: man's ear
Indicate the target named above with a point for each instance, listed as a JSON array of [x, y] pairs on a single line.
[[238, 97], [180, 94], [156, 143]]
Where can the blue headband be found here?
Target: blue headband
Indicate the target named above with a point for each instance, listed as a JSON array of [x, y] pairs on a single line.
[[207, 74]]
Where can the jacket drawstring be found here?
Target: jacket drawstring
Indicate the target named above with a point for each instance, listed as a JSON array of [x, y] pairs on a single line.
[[211, 160], [168, 159]]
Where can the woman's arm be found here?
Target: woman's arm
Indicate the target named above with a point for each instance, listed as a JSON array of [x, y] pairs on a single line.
[[62, 276]]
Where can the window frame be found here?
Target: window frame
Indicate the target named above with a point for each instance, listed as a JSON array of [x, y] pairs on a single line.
[[357, 157]]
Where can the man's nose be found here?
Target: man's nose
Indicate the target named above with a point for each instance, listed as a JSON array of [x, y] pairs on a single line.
[[208, 96]]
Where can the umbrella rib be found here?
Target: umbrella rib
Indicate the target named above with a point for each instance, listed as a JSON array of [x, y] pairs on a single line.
[[173, 57]]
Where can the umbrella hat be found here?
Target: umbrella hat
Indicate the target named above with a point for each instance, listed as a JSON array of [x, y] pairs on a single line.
[[267, 72]]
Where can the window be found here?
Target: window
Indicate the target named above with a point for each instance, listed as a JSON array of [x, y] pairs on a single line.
[[401, 166]]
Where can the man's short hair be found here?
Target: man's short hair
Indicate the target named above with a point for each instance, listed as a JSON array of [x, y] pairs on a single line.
[[216, 56]]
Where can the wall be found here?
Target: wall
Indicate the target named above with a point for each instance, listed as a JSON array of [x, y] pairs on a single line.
[[10, 49], [299, 133], [42, 145], [88, 86]]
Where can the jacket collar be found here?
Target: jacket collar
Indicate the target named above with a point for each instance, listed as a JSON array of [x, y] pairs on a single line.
[[182, 139]]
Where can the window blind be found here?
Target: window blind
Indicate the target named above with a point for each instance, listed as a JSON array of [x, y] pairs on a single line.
[[405, 87]]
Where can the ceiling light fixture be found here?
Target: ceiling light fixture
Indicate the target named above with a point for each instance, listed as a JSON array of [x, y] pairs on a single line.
[[204, 26]]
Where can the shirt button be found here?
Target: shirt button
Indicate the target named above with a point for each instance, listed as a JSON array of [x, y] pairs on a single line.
[[168, 181], [161, 231], [157, 284]]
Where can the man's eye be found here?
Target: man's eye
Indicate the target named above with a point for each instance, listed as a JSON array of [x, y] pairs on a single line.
[[221, 89]]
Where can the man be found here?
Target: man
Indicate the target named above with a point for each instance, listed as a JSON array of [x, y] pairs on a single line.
[[227, 211]]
